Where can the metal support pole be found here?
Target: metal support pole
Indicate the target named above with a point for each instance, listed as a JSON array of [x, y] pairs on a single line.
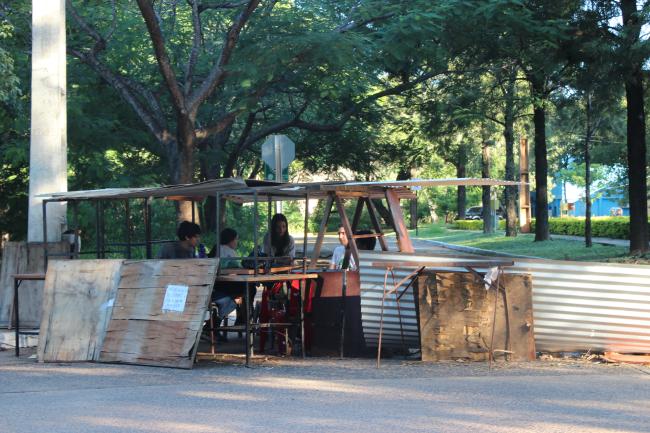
[[302, 286], [217, 225], [147, 228], [255, 217], [127, 211], [306, 229], [193, 212], [381, 318], [44, 205], [97, 231], [249, 343], [344, 285], [75, 224], [16, 316], [102, 230]]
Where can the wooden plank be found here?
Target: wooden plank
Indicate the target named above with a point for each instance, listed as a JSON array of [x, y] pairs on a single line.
[[321, 231], [375, 223], [345, 222], [403, 240], [357, 214], [147, 342], [76, 307], [157, 268], [140, 332], [455, 317], [24, 258]]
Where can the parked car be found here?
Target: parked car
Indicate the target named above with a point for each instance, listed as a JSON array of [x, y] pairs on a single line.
[[476, 213]]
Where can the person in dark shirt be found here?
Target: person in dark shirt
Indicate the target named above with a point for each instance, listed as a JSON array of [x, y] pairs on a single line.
[[189, 236]]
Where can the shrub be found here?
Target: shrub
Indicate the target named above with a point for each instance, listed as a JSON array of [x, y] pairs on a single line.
[[474, 225], [605, 227]]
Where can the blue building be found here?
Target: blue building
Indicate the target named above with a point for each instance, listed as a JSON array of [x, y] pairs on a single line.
[[606, 201]]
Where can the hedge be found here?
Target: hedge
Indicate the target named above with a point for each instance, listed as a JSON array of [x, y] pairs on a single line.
[[474, 225], [605, 227]]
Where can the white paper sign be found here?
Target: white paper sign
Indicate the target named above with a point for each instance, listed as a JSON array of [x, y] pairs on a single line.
[[175, 297]]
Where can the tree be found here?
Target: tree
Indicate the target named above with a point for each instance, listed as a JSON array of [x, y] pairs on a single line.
[[252, 68], [635, 51]]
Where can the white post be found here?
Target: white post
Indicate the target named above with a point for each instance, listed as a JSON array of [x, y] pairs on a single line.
[[48, 161], [278, 168]]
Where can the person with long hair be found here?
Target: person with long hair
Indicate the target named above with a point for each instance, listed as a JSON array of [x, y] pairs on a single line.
[[278, 242]]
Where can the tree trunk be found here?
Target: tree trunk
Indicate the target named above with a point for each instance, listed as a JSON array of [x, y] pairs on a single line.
[[185, 139], [636, 146], [541, 163], [509, 136], [461, 172], [588, 242], [488, 223]]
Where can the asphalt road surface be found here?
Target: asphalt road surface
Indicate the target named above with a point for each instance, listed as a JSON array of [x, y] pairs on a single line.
[[324, 395]]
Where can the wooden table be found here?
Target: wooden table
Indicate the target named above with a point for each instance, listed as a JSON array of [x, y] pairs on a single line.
[[266, 278], [469, 265], [18, 279]]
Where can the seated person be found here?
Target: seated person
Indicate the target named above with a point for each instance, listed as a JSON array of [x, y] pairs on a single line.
[[227, 295], [189, 235], [278, 242], [338, 255]]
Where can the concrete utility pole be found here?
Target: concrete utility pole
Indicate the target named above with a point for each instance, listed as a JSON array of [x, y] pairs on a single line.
[[48, 162]]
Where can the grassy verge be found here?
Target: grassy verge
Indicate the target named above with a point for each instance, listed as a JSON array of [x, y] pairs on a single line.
[[523, 244]]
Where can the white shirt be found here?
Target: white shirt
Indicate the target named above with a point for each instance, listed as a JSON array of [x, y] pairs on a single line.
[[337, 259]]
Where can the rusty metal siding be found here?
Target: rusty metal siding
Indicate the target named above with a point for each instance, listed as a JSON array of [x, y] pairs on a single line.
[[577, 306]]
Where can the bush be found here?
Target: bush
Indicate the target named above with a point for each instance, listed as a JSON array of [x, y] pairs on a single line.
[[474, 225], [604, 227]]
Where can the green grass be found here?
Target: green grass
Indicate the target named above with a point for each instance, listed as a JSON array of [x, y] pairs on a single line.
[[522, 244]]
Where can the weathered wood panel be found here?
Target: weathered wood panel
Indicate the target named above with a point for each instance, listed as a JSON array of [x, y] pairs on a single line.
[[24, 258], [140, 331], [77, 300], [456, 313]]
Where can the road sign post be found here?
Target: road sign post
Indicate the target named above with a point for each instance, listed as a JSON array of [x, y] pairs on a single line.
[[277, 153]]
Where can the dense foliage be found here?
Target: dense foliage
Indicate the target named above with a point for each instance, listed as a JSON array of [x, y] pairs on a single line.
[[178, 91]]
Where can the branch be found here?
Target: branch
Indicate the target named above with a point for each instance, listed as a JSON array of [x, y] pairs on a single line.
[[100, 42], [150, 19], [224, 5], [222, 124], [196, 42], [356, 24], [120, 85], [217, 74], [332, 127]]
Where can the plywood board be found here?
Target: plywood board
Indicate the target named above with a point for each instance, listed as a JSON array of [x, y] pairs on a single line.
[[456, 314], [140, 331], [24, 258], [77, 300]]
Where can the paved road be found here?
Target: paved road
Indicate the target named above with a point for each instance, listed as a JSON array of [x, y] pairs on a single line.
[[321, 395]]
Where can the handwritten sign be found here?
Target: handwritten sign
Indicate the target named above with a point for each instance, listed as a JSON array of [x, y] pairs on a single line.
[[175, 297]]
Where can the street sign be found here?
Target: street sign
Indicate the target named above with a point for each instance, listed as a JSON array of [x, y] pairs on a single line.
[[278, 151], [269, 174]]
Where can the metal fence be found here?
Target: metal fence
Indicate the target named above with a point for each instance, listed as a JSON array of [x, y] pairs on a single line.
[[577, 306]]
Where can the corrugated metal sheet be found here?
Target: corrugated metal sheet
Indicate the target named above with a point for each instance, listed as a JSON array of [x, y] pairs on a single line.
[[581, 305], [577, 306]]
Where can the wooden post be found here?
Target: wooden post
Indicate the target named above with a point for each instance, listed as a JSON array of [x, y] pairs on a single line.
[[322, 229], [403, 240], [524, 188], [375, 223], [357, 214], [345, 222]]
